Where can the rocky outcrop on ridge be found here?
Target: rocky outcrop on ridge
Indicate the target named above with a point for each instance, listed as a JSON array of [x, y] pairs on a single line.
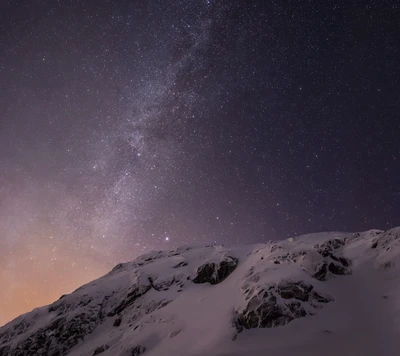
[[171, 296]]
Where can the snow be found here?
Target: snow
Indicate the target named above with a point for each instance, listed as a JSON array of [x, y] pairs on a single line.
[[175, 316]]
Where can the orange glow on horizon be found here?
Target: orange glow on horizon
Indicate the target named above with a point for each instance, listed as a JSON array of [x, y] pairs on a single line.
[[35, 277]]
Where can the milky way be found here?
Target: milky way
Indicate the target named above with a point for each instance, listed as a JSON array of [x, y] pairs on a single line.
[[132, 126]]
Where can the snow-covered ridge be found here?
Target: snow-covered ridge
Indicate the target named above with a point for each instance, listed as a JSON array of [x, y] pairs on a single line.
[[303, 296]]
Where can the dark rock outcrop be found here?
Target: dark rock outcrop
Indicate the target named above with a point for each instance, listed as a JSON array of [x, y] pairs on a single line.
[[320, 298], [264, 311], [138, 350], [322, 272], [180, 264], [386, 246], [275, 247], [4, 350], [336, 269], [290, 290], [332, 244], [131, 297], [288, 257], [100, 349], [65, 334], [18, 329], [215, 273], [205, 273], [326, 260]]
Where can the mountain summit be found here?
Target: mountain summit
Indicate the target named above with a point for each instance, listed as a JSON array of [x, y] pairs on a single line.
[[318, 294]]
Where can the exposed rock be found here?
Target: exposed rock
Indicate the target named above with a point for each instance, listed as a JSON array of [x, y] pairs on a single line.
[[386, 265], [299, 290], [100, 349], [154, 305], [180, 264], [356, 235], [151, 257], [226, 267], [320, 298], [138, 350], [174, 333], [117, 322], [288, 257], [275, 247], [237, 325], [326, 260], [4, 350], [344, 261], [64, 335], [387, 247], [264, 311], [205, 273], [162, 284], [18, 329], [322, 272], [332, 244], [131, 297], [335, 269], [215, 273], [118, 267]]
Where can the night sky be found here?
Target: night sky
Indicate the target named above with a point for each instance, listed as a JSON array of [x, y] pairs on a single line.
[[127, 126]]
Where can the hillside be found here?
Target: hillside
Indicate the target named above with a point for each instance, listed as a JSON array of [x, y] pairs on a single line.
[[318, 294]]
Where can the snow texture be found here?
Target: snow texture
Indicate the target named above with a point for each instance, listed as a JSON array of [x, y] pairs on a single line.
[[319, 294]]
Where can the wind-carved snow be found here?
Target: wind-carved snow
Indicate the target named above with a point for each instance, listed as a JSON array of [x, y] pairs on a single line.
[[318, 294]]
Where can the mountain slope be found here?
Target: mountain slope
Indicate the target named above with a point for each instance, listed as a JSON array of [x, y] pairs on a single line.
[[318, 294]]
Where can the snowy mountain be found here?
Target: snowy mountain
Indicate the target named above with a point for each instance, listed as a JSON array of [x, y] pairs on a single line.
[[319, 294]]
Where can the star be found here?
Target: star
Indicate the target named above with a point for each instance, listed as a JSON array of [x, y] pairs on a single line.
[[202, 122]]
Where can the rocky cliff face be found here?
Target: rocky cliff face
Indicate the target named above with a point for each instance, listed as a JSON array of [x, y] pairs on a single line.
[[205, 300]]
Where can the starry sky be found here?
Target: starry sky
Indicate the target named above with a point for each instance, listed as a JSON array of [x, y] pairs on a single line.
[[128, 126]]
